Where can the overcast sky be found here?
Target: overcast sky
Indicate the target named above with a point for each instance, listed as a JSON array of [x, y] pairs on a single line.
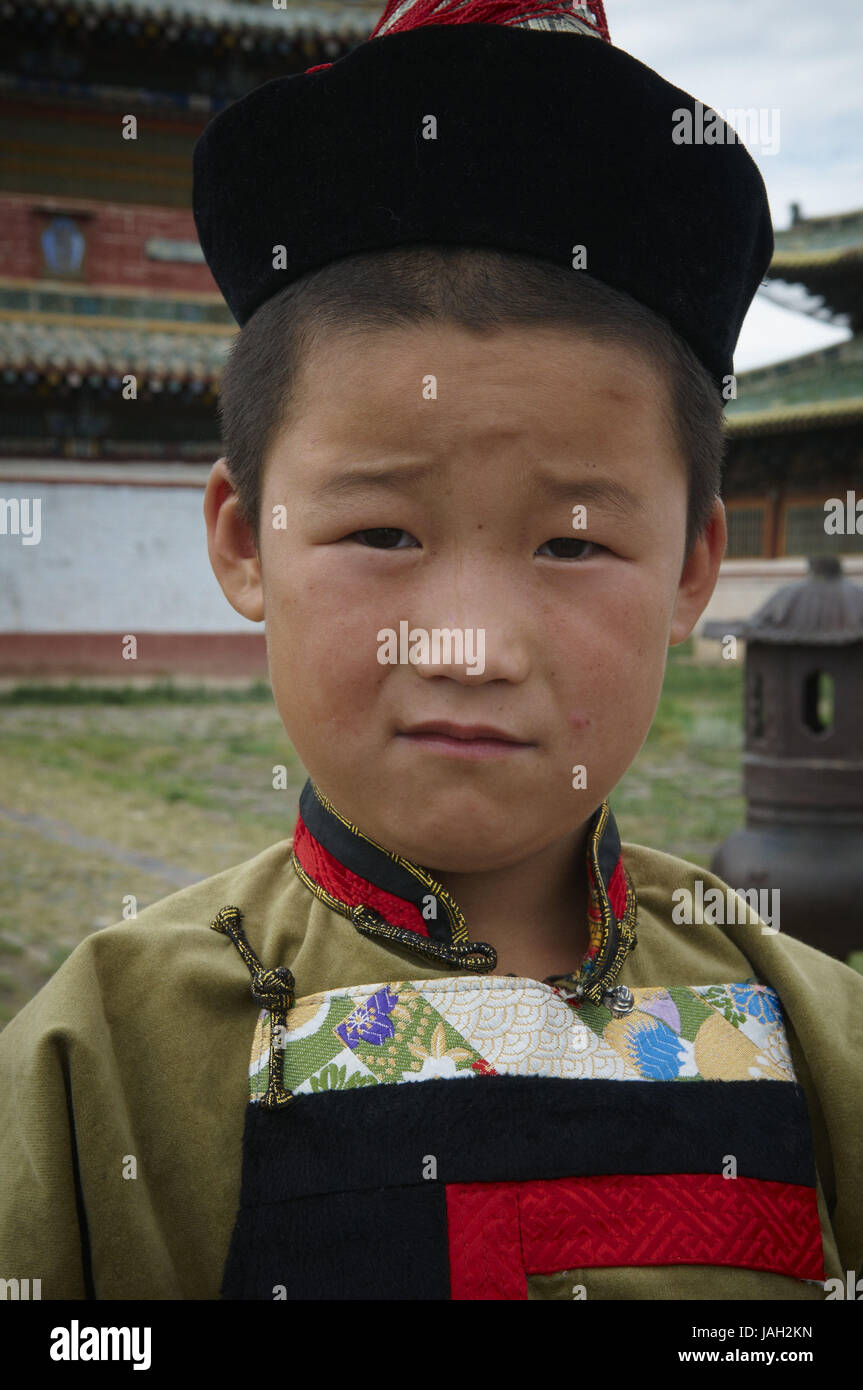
[[802, 57]]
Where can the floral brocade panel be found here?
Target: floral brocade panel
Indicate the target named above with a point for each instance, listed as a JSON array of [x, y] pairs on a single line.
[[417, 1030]]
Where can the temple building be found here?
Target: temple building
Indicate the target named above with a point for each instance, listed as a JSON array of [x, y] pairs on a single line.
[[112, 331], [796, 428], [795, 431]]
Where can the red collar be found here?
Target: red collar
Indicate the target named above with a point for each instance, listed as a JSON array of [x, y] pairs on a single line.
[[393, 899]]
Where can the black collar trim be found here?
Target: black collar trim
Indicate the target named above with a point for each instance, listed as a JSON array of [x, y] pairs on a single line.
[[396, 900]]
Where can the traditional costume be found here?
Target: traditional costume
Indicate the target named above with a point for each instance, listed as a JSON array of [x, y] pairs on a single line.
[[299, 1079], [383, 1119]]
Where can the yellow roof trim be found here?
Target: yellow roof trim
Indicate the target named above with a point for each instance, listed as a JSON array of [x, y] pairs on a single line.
[[806, 412], [790, 260]]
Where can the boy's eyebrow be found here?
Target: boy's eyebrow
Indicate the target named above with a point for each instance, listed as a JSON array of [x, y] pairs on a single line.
[[391, 477], [382, 476], [604, 490]]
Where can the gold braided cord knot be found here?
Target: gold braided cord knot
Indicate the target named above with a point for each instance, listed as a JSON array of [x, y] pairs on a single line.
[[476, 956], [273, 990]]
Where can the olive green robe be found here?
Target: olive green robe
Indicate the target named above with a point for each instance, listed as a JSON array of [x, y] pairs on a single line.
[[125, 1083]]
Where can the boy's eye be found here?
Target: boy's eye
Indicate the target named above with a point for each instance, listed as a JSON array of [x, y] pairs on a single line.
[[382, 537], [571, 547], [394, 538]]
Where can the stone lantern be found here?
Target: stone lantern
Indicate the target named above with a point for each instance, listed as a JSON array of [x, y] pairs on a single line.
[[803, 758]]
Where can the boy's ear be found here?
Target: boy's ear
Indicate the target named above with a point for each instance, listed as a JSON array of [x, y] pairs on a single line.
[[699, 575], [231, 545]]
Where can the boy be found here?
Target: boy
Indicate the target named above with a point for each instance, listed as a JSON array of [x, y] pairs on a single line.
[[475, 499]]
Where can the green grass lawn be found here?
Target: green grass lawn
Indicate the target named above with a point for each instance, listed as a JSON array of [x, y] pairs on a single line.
[[184, 777]]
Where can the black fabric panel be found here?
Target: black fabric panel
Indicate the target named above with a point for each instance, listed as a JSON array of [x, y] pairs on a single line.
[[519, 1128], [386, 1244], [335, 1200]]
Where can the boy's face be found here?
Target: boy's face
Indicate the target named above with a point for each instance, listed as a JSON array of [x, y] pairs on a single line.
[[471, 529]]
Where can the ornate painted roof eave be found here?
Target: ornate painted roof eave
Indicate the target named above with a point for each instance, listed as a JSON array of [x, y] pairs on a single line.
[[831, 232], [321, 18], [786, 419], [824, 375], [192, 355], [833, 282], [824, 255], [785, 263]]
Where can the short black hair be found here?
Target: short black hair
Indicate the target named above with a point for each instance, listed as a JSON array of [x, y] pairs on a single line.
[[479, 288]]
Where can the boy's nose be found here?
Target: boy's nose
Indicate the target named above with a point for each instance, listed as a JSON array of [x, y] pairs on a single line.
[[473, 654]]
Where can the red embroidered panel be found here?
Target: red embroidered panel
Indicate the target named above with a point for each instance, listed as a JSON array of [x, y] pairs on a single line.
[[485, 1259], [616, 891], [344, 884], [501, 1232]]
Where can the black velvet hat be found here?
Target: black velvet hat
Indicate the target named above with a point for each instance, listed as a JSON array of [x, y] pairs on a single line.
[[489, 123]]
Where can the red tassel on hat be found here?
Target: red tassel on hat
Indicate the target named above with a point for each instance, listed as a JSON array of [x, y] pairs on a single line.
[[587, 16], [578, 16]]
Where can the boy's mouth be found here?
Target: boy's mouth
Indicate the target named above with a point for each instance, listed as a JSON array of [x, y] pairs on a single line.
[[464, 740]]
